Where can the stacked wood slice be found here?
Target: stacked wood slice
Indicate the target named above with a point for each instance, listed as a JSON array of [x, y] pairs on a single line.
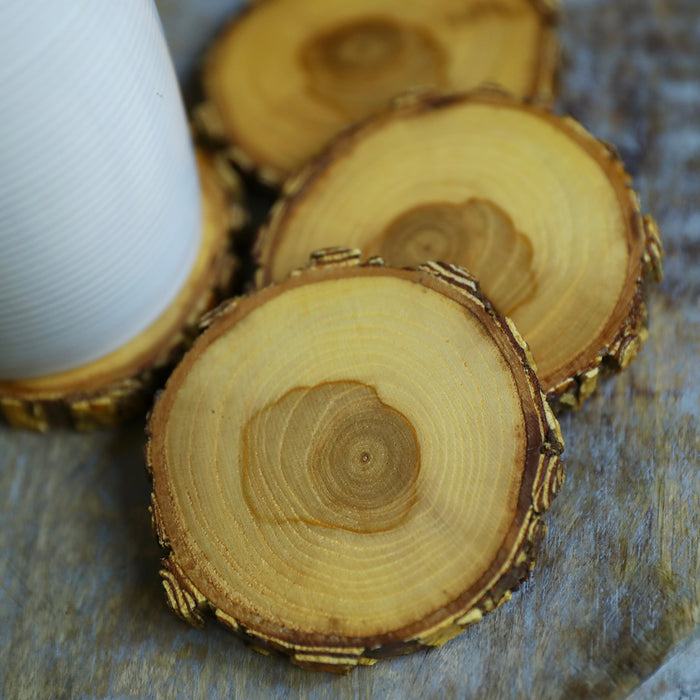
[[353, 461], [116, 388], [537, 209], [287, 75], [352, 464]]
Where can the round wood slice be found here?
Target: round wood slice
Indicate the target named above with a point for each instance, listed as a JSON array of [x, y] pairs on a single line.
[[115, 388], [287, 75], [537, 209], [352, 464]]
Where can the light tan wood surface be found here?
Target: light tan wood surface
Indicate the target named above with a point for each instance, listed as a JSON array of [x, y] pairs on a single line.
[[541, 212], [320, 66], [340, 501]]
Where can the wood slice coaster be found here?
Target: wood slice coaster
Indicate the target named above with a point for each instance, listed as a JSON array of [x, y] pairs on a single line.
[[115, 388], [537, 209], [287, 75], [352, 464]]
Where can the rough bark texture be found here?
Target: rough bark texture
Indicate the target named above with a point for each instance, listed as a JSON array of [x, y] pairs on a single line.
[[617, 355], [619, 341], [542, 478], [118, 388], [343, 91]]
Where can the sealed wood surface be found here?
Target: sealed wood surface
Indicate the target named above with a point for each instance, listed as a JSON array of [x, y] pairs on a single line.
[[340, 502], [617, 587], [321, 66], [541, 212]]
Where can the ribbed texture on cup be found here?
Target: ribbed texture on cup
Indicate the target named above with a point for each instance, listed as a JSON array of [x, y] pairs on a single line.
[[99, 194]]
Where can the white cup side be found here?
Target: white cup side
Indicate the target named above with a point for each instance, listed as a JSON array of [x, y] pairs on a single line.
[[99, 195]]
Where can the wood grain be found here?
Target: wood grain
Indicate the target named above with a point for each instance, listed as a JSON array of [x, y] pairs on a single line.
[[341, 502], [322, 66], [544, 178], [617, 588]]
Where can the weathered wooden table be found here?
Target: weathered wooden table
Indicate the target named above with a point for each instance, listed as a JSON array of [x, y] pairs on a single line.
[[616, 593]]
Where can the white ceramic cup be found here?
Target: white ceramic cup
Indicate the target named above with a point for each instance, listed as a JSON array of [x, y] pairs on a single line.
[[99, 195]]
